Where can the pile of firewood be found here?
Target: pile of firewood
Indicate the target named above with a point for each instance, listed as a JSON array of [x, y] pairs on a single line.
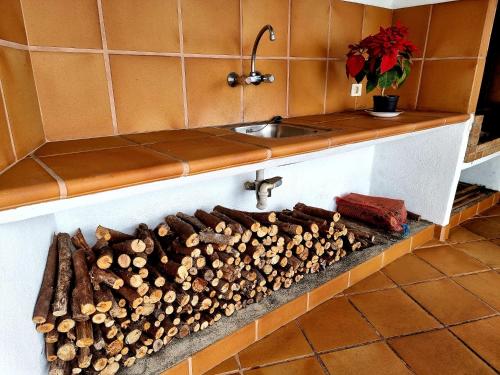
[[127, 296]]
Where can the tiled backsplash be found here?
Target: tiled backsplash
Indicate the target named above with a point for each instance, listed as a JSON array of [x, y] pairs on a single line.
[[101, 67]]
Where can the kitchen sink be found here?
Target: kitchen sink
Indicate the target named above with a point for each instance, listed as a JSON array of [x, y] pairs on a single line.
[[273, 130]]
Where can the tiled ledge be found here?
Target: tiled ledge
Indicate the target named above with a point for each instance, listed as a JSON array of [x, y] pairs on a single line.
[[204, 350], [73, 168]]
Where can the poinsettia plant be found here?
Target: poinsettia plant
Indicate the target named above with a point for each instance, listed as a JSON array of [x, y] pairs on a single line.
[[384, 58]]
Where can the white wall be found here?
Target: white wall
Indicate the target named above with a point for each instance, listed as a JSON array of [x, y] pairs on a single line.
[[422, 169], [487, 174]]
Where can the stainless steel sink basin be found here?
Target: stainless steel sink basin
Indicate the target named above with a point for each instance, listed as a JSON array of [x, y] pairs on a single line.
[[273, 130]]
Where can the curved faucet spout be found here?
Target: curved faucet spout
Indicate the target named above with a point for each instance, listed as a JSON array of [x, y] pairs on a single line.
[[272, 37]]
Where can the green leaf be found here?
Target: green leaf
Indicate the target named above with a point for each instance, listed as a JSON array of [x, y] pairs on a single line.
[[386, 80], [406, 73], [371, 82]]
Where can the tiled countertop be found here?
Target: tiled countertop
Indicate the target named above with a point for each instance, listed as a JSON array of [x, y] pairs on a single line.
[[72, 168]]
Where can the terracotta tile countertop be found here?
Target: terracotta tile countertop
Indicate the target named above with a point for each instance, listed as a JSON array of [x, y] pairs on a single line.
[[71, 168]]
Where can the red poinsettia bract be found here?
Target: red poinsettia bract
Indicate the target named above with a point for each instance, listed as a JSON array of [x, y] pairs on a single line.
[[384, 58]]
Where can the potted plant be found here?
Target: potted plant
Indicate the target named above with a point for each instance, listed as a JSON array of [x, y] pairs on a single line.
[[384, 59]]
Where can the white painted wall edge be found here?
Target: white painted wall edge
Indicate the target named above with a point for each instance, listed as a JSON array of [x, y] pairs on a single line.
[[397, 4], [44, 208], [480, 160]]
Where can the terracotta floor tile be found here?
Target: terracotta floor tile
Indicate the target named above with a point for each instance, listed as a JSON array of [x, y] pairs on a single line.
[[460, 234], [389, 311], [179, 369], [281, 316], [450, 260], [229, 365], [448, 302], [483, 337], [438, 352], [468, 212], [487, 227], [336, 324], [485, 285], [286, 343], [485, 251], [81, 145], [92, 171], [306, 366], [374, 282], [433, 243], [370, 359], [493, 211], [410, 269]]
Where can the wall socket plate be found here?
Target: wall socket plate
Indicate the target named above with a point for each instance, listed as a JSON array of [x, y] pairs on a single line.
[[356, 89]]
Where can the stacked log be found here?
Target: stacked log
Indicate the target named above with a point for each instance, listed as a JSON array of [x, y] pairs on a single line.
[[103, 307]]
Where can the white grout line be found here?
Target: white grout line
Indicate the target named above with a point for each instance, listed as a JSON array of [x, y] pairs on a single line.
[[183, 63], [327, 54], [6, 43], [63, 191], [288, 42], [424, 51], [107, 68], [257, 330], [307, 301], [7, 118], [190, 365]]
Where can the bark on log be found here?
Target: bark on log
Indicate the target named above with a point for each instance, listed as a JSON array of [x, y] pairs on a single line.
[[85, 295], [111, 235], [106, 277], [240, 217], [64, 274], [84, 334], [143, 233], [211, 221], [184, 230], [318, 212], [44, 299]]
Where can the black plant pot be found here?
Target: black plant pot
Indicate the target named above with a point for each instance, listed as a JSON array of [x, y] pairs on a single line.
[[385, 103]]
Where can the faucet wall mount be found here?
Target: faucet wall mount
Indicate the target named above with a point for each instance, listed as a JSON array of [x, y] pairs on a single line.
[[254, 77]]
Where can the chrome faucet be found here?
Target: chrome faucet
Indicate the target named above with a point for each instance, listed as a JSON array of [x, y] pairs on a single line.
[[254, 77]]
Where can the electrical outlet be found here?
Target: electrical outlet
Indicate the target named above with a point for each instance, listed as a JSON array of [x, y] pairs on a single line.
[[356, 89]]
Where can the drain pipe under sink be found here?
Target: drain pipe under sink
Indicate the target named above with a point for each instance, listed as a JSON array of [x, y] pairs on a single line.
[[263, 187]]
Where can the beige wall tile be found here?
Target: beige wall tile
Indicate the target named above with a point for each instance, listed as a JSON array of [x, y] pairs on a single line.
[[73, 95], [345, 28], [150, 25], [257, 13], [456, 28], [148, 93], [11, 21], [62, 23], [307, 87], [416, 19], [374, 18], [21, 100], [309, 28], [211, 27], [210, 100], [338, 93], [7, 155], [266, 100], [446, 85]]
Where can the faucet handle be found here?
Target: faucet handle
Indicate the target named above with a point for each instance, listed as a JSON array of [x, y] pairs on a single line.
[[268, 78]]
